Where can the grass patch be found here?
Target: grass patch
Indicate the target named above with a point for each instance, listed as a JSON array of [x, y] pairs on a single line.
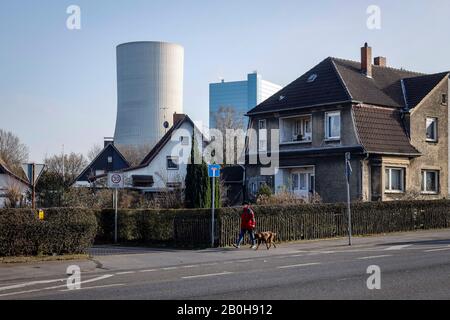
[[31, 259]]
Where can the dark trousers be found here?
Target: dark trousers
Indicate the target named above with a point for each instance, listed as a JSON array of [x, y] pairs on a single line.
[[242, 234]]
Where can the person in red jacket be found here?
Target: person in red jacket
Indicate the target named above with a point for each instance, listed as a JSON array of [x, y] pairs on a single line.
[[248, 224]]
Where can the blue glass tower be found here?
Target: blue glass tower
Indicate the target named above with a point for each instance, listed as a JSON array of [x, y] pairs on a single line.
[[239, 95]]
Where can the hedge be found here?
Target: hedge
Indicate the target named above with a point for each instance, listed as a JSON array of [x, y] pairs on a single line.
[[63, 231], [191, 228]]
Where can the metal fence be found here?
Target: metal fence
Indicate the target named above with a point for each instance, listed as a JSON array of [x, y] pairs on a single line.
[[307, 222]]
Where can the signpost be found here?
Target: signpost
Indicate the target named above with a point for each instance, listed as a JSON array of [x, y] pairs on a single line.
[[33, 172], [213, 172], [115, 181], [348, 174]]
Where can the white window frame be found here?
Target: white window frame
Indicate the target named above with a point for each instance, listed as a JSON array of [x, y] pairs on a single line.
[[328, 129], [424, 182], [174, 160], [184, 140], [262, 135], [389, 179], [110, 159], [435, 121]]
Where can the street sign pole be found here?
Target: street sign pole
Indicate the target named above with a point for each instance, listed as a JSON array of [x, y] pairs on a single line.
[[33, 193], [212, 210], [349, 213], [213, 172], [115, 215]]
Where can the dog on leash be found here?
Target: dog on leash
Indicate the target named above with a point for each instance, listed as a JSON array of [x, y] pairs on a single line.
[[267, 237]]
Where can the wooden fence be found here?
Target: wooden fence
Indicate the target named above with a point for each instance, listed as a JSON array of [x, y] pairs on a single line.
[[307, 222]]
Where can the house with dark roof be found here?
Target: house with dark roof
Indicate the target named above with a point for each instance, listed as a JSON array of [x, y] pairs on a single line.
[[9, 180], [165, 166], [108, 160], [393, 122]]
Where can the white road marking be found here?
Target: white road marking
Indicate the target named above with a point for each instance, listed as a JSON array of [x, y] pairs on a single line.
[[96, 287], [434, 250], [244, 261], [149, 270], [125, 272], [210, 264], [169, 268], [375, 257], [299, 265], [56, 287], [192, 266], [207, 275], [399, 247], [32, 283]]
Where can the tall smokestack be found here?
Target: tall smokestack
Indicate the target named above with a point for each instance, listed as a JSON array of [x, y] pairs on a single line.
[[366, 60]]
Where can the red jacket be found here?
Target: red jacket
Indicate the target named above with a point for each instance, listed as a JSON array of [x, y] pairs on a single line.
[[248, 219]]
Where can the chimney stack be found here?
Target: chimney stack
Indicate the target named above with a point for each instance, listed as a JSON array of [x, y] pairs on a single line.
[[366, 60], [380, 61], [178, 117]]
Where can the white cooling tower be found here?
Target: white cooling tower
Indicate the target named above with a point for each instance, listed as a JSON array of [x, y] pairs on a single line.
[[149, 90]]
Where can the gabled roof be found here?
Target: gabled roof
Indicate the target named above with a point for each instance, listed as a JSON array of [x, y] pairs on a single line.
[[109, 147], [325, 89], [4, 170], [380, 130], [182, 118], [339, 81], [417, 88], [383, 89]]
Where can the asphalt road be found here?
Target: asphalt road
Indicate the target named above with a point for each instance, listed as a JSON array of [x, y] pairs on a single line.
[[412, 266]]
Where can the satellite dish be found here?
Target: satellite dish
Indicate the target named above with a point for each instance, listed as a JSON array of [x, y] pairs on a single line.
[[166, 124]]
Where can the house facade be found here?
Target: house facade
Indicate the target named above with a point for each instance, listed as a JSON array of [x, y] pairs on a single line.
[[8, 181], [393, 122], [165, 166], [108, 160]]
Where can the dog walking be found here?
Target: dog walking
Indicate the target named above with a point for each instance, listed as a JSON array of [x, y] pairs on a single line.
[[248, 224]]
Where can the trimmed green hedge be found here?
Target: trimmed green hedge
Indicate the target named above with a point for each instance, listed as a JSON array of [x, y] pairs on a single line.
[[191, 227], [63, 231]]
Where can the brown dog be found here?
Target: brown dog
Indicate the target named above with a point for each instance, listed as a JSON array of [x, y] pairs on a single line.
[[267, 237]]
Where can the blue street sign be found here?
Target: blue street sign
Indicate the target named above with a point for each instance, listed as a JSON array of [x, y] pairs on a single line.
[[214, 170]]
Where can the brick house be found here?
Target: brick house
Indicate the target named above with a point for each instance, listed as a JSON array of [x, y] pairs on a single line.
[[394, 123]]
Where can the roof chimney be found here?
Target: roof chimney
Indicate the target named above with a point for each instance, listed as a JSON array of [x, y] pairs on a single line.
[[366, 60], [178, 117], [380, 61], [108, 141]]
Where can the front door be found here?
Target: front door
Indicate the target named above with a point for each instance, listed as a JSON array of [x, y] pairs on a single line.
[[303, 182]]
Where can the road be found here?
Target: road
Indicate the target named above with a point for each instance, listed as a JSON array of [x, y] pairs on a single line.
[[412, 266]]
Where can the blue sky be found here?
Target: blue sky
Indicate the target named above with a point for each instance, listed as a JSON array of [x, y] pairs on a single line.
[[59, 86]]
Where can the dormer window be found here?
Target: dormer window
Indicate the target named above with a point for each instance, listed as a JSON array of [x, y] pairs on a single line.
[[312, 78]]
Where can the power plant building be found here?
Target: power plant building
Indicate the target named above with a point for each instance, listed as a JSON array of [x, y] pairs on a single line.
[[149, 91]]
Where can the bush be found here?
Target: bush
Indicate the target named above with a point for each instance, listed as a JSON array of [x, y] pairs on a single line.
[[64, 231]]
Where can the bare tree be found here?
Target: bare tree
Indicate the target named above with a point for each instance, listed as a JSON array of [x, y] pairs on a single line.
[[134, 154], [13, 195], [12, 151], [94, 152], [227, 118], [72, 165]]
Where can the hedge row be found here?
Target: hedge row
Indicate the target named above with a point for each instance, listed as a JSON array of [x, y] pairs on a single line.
[[63, 231], [292, 223]]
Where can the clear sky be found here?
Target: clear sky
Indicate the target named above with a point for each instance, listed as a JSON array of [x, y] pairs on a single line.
[[58, 86]]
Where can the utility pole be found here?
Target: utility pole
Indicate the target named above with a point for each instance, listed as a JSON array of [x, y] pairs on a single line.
[[348, 173]]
